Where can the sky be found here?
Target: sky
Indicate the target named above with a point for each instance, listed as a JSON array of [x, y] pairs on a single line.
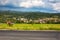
[[31, 5]]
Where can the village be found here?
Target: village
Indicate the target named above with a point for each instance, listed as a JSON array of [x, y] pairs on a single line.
[[39, 20]]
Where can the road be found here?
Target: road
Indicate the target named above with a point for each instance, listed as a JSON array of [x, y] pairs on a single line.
[[29, 35]]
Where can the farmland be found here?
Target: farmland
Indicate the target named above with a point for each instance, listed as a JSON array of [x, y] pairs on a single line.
[[30, 27]]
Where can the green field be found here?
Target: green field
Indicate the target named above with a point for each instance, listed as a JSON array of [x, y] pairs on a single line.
[[30, 27]]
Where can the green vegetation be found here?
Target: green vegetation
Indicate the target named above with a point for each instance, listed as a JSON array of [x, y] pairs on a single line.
[[30, 27], [29, 17]]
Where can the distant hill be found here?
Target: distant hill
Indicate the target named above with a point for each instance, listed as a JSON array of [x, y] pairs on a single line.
[[29, 14]]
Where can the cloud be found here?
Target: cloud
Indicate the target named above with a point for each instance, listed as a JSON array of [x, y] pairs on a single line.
[[11, 3], [53, 4], [48, 4], [25, 4], [56, 6], [3, 2], [31, 3]]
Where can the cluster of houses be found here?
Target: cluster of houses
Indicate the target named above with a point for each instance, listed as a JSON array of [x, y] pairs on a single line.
[[39, 20]]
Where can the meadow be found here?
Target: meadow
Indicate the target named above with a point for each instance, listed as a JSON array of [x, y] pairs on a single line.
[[30, 27]]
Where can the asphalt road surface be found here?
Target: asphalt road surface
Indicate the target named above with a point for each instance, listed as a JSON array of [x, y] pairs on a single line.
[[29, 35]]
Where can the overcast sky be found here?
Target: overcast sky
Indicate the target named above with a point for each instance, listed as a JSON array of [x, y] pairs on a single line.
[[31, 5]]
